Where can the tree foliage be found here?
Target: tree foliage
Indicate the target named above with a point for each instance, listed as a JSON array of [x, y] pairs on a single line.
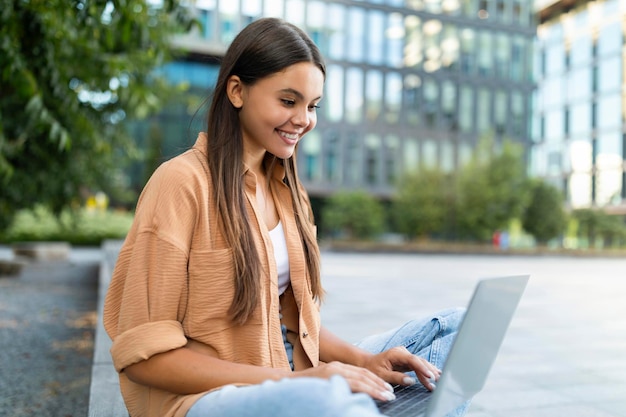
[[491, 189], [544, 217], [596, 226], [423, 203], [354, 214], [70, 72]]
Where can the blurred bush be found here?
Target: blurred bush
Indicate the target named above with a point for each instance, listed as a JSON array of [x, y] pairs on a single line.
[[82, 227]]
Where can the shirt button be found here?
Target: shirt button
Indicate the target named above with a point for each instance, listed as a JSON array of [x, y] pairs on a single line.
[[304, 334]]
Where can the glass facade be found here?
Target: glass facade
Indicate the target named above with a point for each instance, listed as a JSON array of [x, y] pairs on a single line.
[[410, 83], [579, 112]]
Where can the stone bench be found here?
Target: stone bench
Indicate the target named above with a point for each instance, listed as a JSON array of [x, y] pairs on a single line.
[[105, 399], [42, 251]]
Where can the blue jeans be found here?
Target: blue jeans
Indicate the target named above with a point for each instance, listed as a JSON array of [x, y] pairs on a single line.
[[429, 338]]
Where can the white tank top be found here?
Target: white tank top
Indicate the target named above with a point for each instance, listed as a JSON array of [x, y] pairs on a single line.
[[277, 235]]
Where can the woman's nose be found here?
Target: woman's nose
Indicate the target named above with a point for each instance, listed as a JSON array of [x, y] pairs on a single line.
[[301, 117]]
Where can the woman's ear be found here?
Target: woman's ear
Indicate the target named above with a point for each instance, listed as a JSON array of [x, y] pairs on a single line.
[[234, 90]]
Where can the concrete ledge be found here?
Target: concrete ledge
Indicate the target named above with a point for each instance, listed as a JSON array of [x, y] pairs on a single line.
[[40, 251], [10, 268], [105, 399]]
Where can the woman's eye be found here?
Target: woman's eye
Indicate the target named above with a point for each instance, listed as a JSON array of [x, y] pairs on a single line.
[[314, 107], [288, 102]]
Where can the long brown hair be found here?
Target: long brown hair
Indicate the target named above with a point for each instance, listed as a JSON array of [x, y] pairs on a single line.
[[264, 47]]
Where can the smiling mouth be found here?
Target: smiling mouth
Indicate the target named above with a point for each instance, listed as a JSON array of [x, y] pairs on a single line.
[[290, 137]]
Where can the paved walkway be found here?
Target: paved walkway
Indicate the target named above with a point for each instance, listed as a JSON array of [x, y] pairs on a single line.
[[47, 318], [565, 353]]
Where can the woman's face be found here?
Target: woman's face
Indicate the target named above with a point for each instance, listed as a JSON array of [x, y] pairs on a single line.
[[278, 110]]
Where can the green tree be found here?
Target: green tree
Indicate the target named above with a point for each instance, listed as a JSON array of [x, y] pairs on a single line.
[[612, 230], [544, 216], [588, 224], [70, 73], [595, 224], [355, 214], [491, 189], [423, 203]]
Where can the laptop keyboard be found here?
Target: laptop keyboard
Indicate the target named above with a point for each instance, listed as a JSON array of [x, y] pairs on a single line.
[[410, 402]]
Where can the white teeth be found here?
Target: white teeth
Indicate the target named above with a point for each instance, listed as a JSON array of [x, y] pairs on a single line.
[[292, 136]]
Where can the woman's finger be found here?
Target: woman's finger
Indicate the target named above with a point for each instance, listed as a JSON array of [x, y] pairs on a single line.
[[365, 381]]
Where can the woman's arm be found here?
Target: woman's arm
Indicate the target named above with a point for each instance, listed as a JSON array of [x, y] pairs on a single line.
[[332, 348], [389, 365], [187, 371]]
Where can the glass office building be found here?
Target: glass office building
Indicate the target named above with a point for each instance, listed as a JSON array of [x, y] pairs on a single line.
[[579, 111], [410, 83]]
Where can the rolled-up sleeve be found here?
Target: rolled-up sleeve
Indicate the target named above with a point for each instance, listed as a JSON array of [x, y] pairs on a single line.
[[145, 341], [146, 300]]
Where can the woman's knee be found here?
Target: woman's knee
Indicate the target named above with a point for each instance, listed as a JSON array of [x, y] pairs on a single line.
[[331, 398], [450, 320], [302, 397]]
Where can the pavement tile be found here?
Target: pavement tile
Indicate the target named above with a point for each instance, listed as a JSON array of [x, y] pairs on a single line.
[[567, 341]]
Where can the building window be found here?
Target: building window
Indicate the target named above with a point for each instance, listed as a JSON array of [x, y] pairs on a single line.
[[580, 120], [432, 45], [448, 104], [392, 156], [412, 99], [485, 53], [354, 95], [502, 55], [450, 46], [375, 38], [354, 171], [410, 155], [609, 112], [431, 102], [518, 114], [333, 99], [469, 8], [447, 155], [251, 10], [468, 50], [333, 156], [336, 33], [414, 38], [311, 150], [373, 95], [500, 112], [518, 59], [372, 158], [610, 40], [295, 12], [579, 84], [429, 153], [273, 8], [394, 34], [393, 96], [316, 12], [483, 111], [356, 34], [466, 109], [609, 74], [581, 50]]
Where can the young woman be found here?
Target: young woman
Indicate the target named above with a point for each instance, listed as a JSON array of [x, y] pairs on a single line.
[[213, 307]]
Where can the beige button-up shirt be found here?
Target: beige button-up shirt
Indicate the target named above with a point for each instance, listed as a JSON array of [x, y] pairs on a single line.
[[173, 282]]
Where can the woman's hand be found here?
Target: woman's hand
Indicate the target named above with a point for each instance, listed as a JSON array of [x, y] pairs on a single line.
[[391, 365], [359, 379]]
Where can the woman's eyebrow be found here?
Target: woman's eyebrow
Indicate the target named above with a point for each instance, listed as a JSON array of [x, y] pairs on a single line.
[[296, 93]]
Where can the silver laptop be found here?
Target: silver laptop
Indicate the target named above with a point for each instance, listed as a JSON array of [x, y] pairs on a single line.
[[473, 352]]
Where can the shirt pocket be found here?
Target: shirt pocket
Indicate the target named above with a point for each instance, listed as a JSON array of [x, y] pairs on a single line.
[[211, 291]]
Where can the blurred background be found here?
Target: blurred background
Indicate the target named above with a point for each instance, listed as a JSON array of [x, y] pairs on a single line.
[[494, 124]]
